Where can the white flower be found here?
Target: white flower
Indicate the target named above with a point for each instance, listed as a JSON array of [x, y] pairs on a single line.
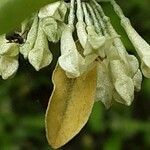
[[141, 46], [8, 66], [56, 10], [31, 38], [70, 58], [40, 56], [82, 33], [9, 49], [137, 80], [52, 28], [99, 44], [52, 17], [8, 58], [85, 40], [104, 89], [123, 83]]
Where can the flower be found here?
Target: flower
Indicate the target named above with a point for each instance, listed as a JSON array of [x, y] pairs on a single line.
[[94, 64], [8, 58], [40, 56], [30, 39], [52, 17], [141, 46]]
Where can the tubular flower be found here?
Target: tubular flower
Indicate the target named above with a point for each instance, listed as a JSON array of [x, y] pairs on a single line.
[[8, 58], [94, 64]]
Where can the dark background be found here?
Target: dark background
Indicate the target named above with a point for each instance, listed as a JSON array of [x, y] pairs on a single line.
[[23, 102]]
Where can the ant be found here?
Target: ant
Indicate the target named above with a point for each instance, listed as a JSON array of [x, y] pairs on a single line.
[[14, 37]]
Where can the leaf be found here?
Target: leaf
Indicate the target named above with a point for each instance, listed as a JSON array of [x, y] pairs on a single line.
[[70, 106], [13, 12], [95, 122], [137, 80]]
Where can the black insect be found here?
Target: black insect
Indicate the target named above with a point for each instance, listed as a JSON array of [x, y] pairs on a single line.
[[14, 37]]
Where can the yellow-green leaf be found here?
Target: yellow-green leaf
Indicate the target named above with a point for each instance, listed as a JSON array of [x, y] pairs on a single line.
[[70, 106]]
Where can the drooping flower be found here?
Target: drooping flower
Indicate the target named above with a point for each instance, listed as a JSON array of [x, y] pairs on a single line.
[[56, 10], [94, 64], [141, 46], [52, 17], [8, 58], [40, 56], [31, 38], [72, 59]]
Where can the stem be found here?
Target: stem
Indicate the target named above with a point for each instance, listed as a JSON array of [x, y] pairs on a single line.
[[79, 11], [96, 24], [71, 14], [86, 14], [100, 19]]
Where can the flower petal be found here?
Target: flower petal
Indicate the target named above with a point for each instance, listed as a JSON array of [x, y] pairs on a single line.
[[40, 56], [56, 10], [104, 89], [133, 65], [70, 59], [141, 46], [31, 38], [9, 49], [97, 44], [8, 66], [48, 10], [52, 28], [81, 32], [137, 80], [123, 84]]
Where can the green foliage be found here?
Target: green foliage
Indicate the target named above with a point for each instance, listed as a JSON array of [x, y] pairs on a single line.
[[13, 12], [96, 122]]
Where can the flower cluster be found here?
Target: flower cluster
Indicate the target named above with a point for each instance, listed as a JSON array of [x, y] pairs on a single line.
[[87, 37]]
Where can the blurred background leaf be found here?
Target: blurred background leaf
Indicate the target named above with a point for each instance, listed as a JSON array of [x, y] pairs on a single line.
[[13, 12]]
